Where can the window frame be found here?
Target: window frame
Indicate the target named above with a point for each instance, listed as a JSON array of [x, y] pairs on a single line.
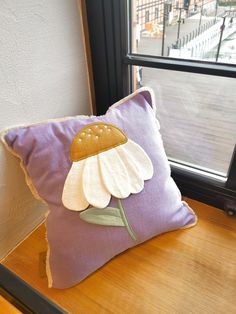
[[110, 43], [23, 296]]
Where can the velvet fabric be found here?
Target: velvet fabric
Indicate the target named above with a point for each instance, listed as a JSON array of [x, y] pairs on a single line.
[[78, 248]]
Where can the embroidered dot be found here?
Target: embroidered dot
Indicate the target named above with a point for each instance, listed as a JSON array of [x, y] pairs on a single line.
[[89, 135], [96, 137], [108, 130], [100, 130], [82, 134], [96, 126], [105, 126], [80, 140]]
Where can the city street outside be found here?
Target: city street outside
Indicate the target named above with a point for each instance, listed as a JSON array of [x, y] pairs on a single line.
[[153, 45], [197, 112]]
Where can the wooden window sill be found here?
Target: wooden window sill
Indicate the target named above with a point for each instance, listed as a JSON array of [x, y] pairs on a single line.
[[185, 271], [7, 308]]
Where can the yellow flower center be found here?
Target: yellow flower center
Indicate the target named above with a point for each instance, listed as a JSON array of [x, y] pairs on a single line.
[[94, 139]]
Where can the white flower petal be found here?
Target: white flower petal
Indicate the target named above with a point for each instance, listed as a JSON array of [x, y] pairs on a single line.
[[141, 159], [114, 174], [136, 180], [73, 197], [94, 189]]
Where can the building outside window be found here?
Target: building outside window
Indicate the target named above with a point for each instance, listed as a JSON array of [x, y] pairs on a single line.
[[156, 13], [146, 16]]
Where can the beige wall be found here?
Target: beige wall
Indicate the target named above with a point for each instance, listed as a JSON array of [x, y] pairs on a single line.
[[42, 75]]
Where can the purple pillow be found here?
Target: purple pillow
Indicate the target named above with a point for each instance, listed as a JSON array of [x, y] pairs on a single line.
[[106, 181]]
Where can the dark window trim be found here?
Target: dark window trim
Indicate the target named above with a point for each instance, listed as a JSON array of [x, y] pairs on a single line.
[[231, 181], [204, 189], [26, 297], [108, 44], [191, 66]]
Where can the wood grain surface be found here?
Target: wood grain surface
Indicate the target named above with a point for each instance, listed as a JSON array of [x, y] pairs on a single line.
[[7, 308], [185, 271]]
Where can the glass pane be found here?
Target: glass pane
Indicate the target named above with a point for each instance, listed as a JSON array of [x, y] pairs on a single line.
[[197, 114], [196, 29]]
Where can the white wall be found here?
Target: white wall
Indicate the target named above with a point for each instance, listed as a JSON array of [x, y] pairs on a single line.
[[42, 75]]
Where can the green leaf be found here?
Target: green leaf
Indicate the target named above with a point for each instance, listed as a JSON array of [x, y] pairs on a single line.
[[109, 216]]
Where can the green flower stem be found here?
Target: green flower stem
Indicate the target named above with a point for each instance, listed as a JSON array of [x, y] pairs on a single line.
[[123, 216]]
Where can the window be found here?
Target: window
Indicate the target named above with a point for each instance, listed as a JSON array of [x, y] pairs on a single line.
[[146, 16], [199, 115], [194, 84], [186, 4], [156, 13]]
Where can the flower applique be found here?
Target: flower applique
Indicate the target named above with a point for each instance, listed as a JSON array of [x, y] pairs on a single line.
[[105, 163]]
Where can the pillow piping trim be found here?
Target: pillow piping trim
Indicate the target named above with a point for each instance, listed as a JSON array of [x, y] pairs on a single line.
[[19, 126], [27, 177], [137, 92], [195, 216], [48, 268]]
